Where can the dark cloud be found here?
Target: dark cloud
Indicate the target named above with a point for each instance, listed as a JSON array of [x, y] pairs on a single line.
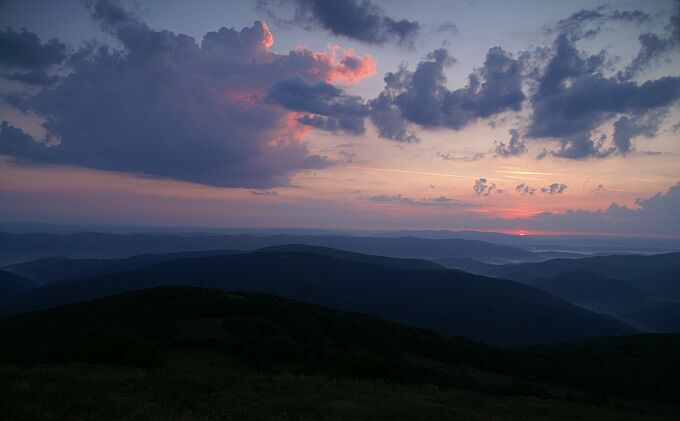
[[361, 20], [421, 97], [23, 49], [20, 102], [661, 205], [658, 214], [578, 23], [333, 109], [446, 28], [163, 105], [482, 187], [629, 16], [472, 158], [573, 97], [581, 146], [14, 141], [391, 198], [587, 23], [525, 189], [442, 199], [514, 147], [431, 201], [654, 47], [264, 193], [25, 59], [554, 188], [386, 115], [627, 128]]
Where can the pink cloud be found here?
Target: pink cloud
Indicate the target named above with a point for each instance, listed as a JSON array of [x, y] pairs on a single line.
[[338, 65]]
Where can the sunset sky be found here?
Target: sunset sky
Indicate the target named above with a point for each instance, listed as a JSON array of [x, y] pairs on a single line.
[[512, 116]]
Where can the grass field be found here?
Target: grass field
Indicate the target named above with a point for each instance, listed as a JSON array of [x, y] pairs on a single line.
[[210, 386]]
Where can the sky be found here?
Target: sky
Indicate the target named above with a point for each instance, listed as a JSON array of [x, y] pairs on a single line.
[[514, 116]]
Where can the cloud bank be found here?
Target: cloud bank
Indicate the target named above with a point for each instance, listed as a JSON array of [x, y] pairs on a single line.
[[574, 96], [225, 112], [658, 214], [421, 97]]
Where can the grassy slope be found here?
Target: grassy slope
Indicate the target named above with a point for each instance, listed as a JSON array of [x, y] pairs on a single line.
[[206, 387], [260, 333]]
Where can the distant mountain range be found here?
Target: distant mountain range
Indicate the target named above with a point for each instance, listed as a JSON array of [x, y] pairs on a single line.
[[405, 291], [578, 245], [60, 269], [593, 291], [397, 278], [644, 291], [22, 247], [12, 285], [626, 267], [583, 245]]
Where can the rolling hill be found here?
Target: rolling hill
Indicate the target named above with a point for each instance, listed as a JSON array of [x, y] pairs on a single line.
[[452, 303], [664, 283], [270, 334], [466, 264], [594, 292], [625, 267], [12, 285], [643, 291], [59, 269]]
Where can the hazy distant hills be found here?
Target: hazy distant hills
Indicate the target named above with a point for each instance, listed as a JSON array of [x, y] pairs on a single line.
[[593, 291], [396, 263], [644, 291], [626, 267], [449, 302], [467, 264], [22, 247], [655, 274], [12, 285], [574, 245], [59, 269], [660, 316], [664, 283]]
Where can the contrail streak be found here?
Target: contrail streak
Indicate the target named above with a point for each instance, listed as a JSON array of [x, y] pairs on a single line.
[[437, 174], [528, 172], [525, 178]]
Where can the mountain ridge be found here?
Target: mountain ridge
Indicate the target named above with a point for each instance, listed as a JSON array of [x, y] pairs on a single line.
[[452, 303]]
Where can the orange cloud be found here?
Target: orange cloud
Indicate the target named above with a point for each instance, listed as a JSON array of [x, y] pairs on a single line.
[[290, 130], [340, 64], [267, 38]]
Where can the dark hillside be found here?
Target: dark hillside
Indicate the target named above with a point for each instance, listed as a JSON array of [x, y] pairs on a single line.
[[451, 303]]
